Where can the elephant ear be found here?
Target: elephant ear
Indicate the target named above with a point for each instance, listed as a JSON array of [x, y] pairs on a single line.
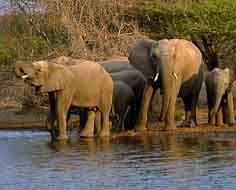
[[228, 78], [55, 79]]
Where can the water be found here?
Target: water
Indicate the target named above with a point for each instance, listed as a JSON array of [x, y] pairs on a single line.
[[29, 162]]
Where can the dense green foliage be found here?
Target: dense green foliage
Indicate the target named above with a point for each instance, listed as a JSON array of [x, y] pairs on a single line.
[[182, 18], [19, 40]]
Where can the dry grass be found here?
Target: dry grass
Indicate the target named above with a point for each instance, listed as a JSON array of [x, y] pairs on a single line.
[[96, 28]]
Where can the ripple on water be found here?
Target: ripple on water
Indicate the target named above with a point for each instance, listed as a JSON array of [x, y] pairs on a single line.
[[28, 161]]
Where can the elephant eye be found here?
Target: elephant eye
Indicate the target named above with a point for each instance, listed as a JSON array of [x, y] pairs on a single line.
[[22, 71]]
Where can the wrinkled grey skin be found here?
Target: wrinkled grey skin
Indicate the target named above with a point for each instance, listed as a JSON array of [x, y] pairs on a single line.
[[124, 106], [116, 65], [174, 66], [136, 81], [219, 96]]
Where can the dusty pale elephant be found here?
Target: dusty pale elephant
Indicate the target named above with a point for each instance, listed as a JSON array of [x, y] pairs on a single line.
[[219, 96], [175, 66], [85, 84]]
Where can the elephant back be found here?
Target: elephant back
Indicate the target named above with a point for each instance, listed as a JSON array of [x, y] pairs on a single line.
[[139, 56], [116, 65]]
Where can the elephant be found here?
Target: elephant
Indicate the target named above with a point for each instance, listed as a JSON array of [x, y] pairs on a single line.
[[123, 106], [116, 65], [85, 84], [176, 67], [136, 81], [111, 66], [220, 97]]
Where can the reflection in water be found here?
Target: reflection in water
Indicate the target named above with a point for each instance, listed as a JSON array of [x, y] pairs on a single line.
[[141, 162]]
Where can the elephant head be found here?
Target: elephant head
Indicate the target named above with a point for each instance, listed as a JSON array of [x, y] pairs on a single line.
[[46, 77], [155, 59]]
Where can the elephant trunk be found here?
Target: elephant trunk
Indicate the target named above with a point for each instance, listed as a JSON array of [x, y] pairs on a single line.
[[166, 77]]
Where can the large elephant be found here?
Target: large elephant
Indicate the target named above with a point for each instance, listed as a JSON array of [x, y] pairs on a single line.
[[136, 81], [175, 66], [113, 65], [123, 106], [219, 96], [85, 84]]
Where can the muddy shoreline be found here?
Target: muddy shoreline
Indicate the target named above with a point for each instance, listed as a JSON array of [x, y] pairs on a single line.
[[34, 119]]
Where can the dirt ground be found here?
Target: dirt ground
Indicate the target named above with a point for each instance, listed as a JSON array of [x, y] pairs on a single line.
[[14, 115], [18, 119]]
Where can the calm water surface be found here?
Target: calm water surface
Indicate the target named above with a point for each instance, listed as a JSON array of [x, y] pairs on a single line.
[[29, 162]]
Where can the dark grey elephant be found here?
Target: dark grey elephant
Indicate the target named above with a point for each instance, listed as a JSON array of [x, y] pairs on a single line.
[[174, 66], [123, 106], [219, 96], [136, 81]]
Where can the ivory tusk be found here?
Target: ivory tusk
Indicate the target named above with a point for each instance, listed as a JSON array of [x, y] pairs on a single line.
[[156, 77], [25, 76], [176, 77]]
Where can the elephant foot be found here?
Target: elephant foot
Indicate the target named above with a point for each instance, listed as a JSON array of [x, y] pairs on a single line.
[[140, 128], [170, 128], [219, 124], [104, 133], [62, 137], [189, 124], [86, 133], [211, 123], [231, 124]]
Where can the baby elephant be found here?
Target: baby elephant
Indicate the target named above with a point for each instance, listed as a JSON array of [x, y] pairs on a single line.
[[123, 108], [219, 96]]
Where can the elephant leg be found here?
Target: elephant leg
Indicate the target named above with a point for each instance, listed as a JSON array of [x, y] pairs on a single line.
[[51, 119], [194, 121], [63, 104], [61, 115], [155, 101], [219, 117], [187, 109], [88, 130], [211, 117], [50, 125], [105, 131], [142, 118], [230, 108], [98, 122], [190, 103], [125, 116], [82, 119], [194, 101], [170, 116]]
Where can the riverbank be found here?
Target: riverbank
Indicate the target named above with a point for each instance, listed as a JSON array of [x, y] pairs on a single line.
[[34, 118]]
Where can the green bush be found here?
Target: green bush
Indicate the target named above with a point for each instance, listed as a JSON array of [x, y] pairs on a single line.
[[183, 18], [186, 17]]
